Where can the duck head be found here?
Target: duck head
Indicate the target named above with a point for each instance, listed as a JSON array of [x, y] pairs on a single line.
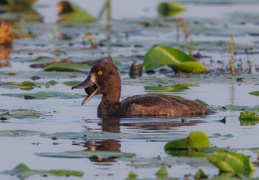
[[102, 79]]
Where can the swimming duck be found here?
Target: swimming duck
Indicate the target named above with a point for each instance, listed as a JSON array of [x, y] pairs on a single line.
[[104, 79]]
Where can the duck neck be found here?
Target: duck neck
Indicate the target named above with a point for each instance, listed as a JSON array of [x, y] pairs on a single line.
[[110, 100]]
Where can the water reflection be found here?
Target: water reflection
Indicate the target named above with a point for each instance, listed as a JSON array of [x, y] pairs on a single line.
[[113, 124], [110, 124]]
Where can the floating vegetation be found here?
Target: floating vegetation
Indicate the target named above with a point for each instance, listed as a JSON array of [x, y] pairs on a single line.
[[70, 12], [132, 176], [195, 140], [43, 95], [162, 172], [169, 9], [200, 175], [231, 162], [25, 85], [22, 171], [21, 114], [176, 59], [59, 55], [248, 118], [19, 133], [254, 93], [87, 154], [174, 88], [66, 67]]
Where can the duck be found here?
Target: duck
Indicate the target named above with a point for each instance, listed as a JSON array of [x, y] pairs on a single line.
[[104, 79]]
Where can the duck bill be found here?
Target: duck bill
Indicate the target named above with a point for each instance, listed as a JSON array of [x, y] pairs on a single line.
[[90, 89]]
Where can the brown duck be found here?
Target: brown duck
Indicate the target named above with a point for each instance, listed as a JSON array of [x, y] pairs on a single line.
[[104, 79]]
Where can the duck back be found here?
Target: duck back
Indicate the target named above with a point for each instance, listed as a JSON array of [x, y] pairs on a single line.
[[157, 105]]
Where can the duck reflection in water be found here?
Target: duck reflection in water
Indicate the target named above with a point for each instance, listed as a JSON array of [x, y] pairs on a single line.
[[112, 125]]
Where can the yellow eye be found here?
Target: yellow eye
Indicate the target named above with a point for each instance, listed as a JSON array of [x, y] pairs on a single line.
[[100, 73]]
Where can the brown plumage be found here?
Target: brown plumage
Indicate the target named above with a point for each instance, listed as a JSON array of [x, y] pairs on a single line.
[[104, 79]]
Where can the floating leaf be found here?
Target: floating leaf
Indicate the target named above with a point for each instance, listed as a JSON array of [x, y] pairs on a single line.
[[246, 115], [19, 133], [179, 61], [70, 12], [86, 154], [223, 120], [64, 135], [66, 67], [52, 83], [255, 93], [234, 108], [175, 88], [195, 140], [132, 176], [169, 9], [248, 118], [25, 85], [200, 175], [20, 113], [231, 162], [43, 95], [22, 171], [71, 83], [162, 172], [65, 173]]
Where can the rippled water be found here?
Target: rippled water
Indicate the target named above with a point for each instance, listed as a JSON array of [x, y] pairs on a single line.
[[66, 115]]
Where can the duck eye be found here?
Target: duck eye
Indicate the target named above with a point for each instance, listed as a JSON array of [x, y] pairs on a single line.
[[99, 73]]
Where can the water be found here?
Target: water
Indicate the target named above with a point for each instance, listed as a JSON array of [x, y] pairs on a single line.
[[66, 115]]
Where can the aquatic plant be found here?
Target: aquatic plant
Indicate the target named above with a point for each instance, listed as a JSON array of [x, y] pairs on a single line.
[[190, 47], [196, 139], [232, 55], [231, 162], [179, 61], [70, 12], [169, 9], [184, 26], [22, 171]]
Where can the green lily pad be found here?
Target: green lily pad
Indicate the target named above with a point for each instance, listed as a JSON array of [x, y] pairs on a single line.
[[248, 118], [231, 162], [66, 67], [247, 115], [200, 175], [195, 140], [64, 135], [175, 88], [86, 154], [171, 9], [179, 61], [22, 171], [20, 114], [71, 83], [254, 93], [19, 133], [162, 172], [234, 108], [51, 83], [132, 176], [70, 12], [43, 95], [25, 85]]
